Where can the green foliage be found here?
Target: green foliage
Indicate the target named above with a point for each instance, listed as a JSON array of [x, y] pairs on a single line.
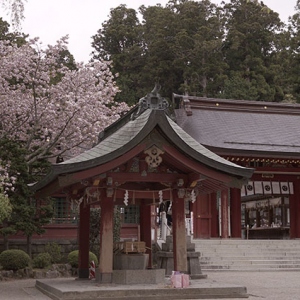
[[95, 214], [94, 229], [14, 259], [5, 207], [54, 250], [42, 260], [117, 224], [73, 258], [238, 88], [120, 40], [203, 49], [13, 37], [28, 216]]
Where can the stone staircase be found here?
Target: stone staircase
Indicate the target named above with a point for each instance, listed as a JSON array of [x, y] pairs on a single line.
[[248, 255]]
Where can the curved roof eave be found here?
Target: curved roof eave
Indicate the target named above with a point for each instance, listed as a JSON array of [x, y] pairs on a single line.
[[130, 135], [202, 154]]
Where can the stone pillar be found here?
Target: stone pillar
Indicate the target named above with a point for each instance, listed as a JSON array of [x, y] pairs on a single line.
[[235, 213], [105, 269], [83, 241], [224, 214], [145, 223], [179, 234]]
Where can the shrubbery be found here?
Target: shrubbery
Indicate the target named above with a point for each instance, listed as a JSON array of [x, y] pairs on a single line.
[[54, 251], [14, 259], [73, 258], [42, 260]]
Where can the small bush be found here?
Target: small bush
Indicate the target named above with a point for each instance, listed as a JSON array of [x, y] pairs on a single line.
[[55, 252], [14, 259], [42, 260], [73, 258]]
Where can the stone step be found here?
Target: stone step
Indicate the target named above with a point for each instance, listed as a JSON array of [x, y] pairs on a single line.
[[257, 269], [251, 262], [255, 266], [246, 245], [240, 240], [249, 254], [244, 255], [250, 258]]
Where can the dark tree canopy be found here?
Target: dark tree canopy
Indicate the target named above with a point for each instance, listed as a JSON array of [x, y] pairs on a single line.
[[239, 49]]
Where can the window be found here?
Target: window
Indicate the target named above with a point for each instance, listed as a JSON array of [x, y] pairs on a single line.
[[130, 214], [62, 212]]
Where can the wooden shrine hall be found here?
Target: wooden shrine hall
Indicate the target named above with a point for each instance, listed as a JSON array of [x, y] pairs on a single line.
[[145, 159], [254, 134]]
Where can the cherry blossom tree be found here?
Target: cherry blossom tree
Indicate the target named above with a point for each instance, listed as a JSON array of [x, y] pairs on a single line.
[[6, 184], [53, 117], [16, 10], [48, 109]]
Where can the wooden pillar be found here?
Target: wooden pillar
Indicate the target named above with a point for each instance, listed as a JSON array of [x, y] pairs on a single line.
[[293, 218], [224, 214], [295, 210], [214, 216], [235, 213], [83, 241], [145, 223], [297, 193], [179, 234], [105, 269]]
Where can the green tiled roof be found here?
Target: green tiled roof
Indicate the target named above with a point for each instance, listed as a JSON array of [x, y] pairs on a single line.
[[130, 135], [113, 142]]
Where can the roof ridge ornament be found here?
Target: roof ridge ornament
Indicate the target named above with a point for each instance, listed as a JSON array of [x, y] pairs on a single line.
[[153, 101]]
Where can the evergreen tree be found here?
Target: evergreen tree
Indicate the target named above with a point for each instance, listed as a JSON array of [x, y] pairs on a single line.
[[251, 49], [27, 216], [293, 57], [120, 40]]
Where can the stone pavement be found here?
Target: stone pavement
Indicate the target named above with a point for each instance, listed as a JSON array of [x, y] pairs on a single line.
[[260, 285]]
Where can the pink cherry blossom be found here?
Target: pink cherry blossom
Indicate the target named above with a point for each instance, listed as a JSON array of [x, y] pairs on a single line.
[[54, 119]]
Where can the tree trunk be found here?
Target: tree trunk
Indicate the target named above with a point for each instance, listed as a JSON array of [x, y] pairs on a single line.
[[29, 245]]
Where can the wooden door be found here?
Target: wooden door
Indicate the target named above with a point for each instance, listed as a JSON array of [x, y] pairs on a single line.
[[202, 217]]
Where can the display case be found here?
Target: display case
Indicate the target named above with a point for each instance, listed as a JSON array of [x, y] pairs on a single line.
[[267, 218]]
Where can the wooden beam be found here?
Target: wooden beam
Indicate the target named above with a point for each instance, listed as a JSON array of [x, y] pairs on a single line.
[[50, 189], [71, 178], [198, 167], [150, 177]]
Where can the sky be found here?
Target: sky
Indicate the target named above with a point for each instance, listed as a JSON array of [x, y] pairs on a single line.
[[52, 19]]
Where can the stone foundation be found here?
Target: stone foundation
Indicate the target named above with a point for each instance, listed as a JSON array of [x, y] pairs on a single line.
[[55, 271], [152, 276], [136, 261], [165, 258]]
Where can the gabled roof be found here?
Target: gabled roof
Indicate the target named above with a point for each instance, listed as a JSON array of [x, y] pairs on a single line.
[[131, 134], [239, 126]]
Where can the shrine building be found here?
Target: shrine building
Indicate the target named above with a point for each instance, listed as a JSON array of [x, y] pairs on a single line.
[[253, 134], [148, 158]]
